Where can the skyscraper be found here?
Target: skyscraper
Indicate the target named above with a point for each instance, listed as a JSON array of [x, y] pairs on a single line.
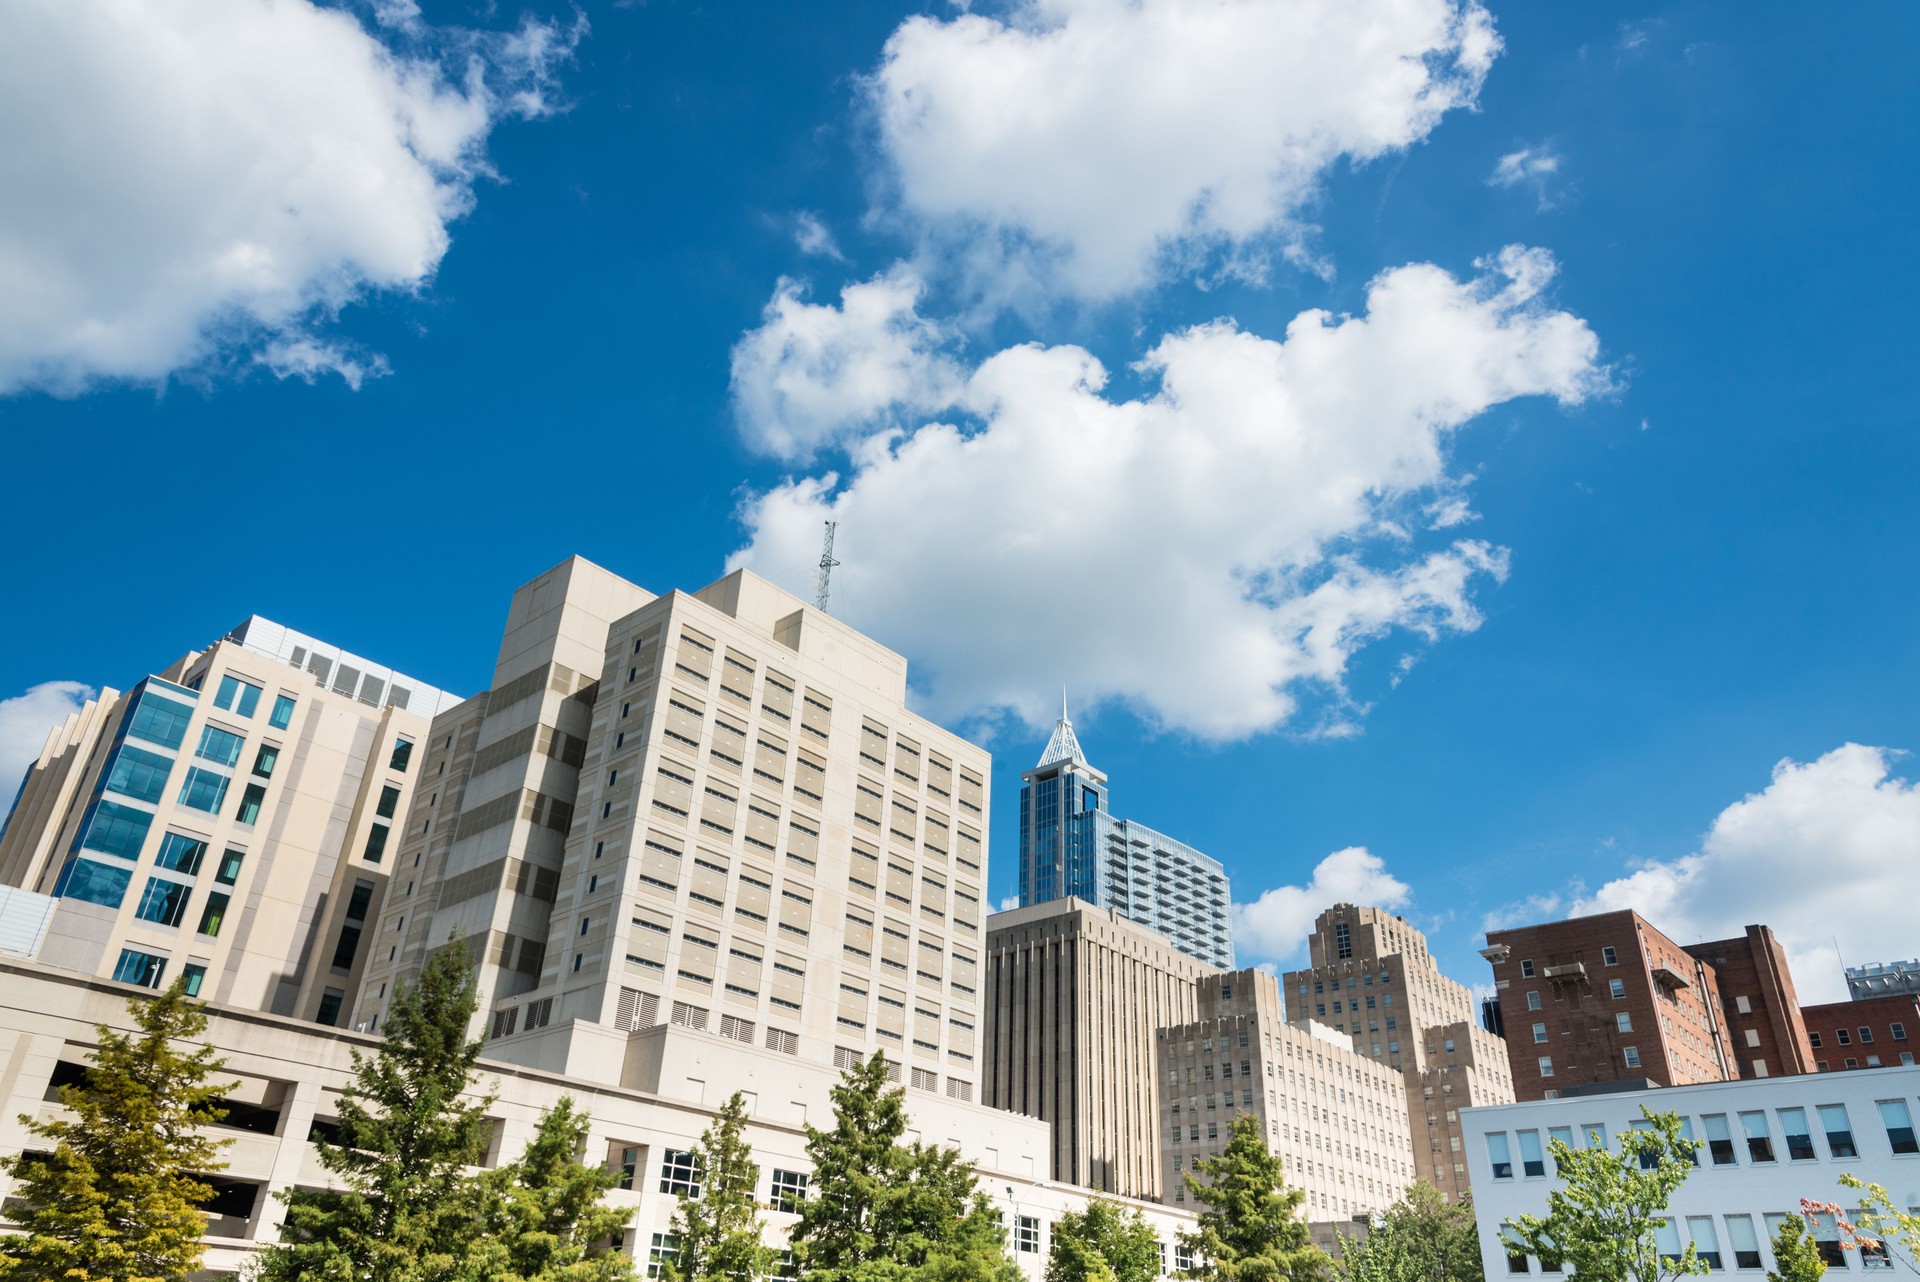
[[1072, 846]]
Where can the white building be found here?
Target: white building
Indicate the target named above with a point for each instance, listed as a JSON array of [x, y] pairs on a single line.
[[1766, 1143]]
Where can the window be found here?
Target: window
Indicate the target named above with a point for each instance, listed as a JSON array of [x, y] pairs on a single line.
[[1866, 1035], [389, 802], [1623, 1021], [1793, 1125], [237, 696], [1610, 956], [203, 790], [115, 829], [1706, 1245], [1630, 1056], [376, 843], [161, 721], [219, 747], [213, 915], [1500, 1155], [1898, 1119], [1813, 1039], [789, 1191], [1745, 1243], [136, 967], [230, 867], [1666, 1239], [680, 1173], [195, 975], [1532, 1162], [1517, 1262], [1539, 1033], [329, 1012], [1526, 970], [1759, 1138], [1343, 939], [1826, 1236], [348, 944], [630, 1158], [402, 754], [664, 1252], [163, 902], [265, 760], [250, 802], [1839, 1129], [1719, 1139], [138, 773], [1026, 1234], [1616, 988], [1533, 1001], [1546, 1066], [282, 715], [180, 854]]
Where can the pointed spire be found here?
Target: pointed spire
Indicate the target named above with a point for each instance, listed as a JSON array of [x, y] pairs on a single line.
[[1063, 746]]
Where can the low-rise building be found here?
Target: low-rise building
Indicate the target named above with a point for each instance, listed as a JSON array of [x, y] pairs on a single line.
[[1868, 1032]]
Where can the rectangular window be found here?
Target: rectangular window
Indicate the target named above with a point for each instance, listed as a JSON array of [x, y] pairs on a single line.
[[230, 867], [1532, 1161], [250, 803], [1719, 1139], [1759, 1137], [160, 721], [1898, 1119], [1631, 1056], [1546, 1066], [136, 967], [402, 754], [115, 829], [329, 1011], [180, 854], [1666, 1239], [213, 915], [376, 843], [203, 790], [1706, 1243], [1539, 1033], [1517, 1262], [195, 975], [789, 1191], [163, 902], [237, 696], [1826, 1236], [1533, 1000], [1839, 1128], [663, 1255], [1623, 1022], [1500, 1155], [1026, 1234], [138, 773], [282, 712], [1610, 956], [93, 882], [389, 802], [1793, 1125], [265, 760], [1694, 1145], [218, 746], [1616, 988], [1526, 970], [680, 1173], [1745, 1242]]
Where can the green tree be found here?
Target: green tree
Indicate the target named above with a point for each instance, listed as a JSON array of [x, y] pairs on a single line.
[[543, 1219], [408, 1136], [1796, 1255], [718, 1231], [1602, 1220], [1103, 1244], [1250, 1231], [880, 1210], [1878, 1225], [119, 1196], [1421, 1238]]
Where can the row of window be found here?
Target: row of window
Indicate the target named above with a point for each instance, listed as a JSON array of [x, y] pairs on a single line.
[[1744, 1238]]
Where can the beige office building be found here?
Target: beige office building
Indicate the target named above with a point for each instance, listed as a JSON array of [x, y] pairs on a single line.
[[1075, 997], [1372, 978], [228, 818], [1336, 1118]]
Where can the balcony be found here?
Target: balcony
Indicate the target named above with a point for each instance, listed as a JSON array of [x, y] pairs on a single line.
[[1566, 973]]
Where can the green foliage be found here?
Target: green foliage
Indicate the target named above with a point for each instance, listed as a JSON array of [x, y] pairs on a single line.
[[1420, 1238], [1601, 1221], [719, 1231], [542, 1218], [1796, 1255], [119, 1196], [883, 1211], [1880, 1223], [407, 1203], [1103, 1244], [1250, 1231]]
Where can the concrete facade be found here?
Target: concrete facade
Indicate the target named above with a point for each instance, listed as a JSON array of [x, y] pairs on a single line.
[[1075, 998], [1766, 1144], [229, 817], [1868, 1032], [1336, 1118], [1372, 977]]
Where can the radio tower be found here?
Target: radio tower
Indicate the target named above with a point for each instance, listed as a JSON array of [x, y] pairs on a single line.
[[824, 578]]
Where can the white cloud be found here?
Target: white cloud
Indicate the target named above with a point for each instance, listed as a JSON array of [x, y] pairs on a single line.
[[1088, 146], [1825, 851], [815, 238], [188, 181], [814, 374], [1276, 925], [1530, 167], [1523, 912], [1208, 552], [25, 721]]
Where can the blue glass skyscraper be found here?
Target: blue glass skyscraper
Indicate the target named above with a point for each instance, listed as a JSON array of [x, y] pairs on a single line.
[[1071, 845]]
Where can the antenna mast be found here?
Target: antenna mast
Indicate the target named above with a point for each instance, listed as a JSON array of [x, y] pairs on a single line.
[[822, 580]]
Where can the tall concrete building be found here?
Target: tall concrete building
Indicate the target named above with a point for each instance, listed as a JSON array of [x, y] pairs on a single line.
[[1610, 998], [1372, 977], [712, 811], [1072, 846], [1336, 1118], [229, 818], [1075, 998]]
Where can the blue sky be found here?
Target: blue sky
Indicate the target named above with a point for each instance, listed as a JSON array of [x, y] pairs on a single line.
[[1505, 583]]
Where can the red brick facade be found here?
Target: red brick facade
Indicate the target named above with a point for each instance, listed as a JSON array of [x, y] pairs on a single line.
[[1764, 1024], [1872, 1033]]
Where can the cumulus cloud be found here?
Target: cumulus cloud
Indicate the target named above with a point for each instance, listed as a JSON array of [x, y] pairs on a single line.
[[1530, 167], [191, 181], [1276, 925], [25, 721], [814, 374], [1825, 850], [1088, 146], [1207, 552]]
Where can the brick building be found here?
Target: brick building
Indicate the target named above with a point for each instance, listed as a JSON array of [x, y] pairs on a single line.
[[1871, 1032], [1764, 1022]]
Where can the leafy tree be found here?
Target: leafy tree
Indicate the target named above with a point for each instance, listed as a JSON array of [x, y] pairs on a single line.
[[1603, 1218], [880, 1210], [719, 1230], [1103, 1244], [1796, 1255], [543, 1220], [119, 1196], [407, 1138], [1421, 1238], [1250, 1231]]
